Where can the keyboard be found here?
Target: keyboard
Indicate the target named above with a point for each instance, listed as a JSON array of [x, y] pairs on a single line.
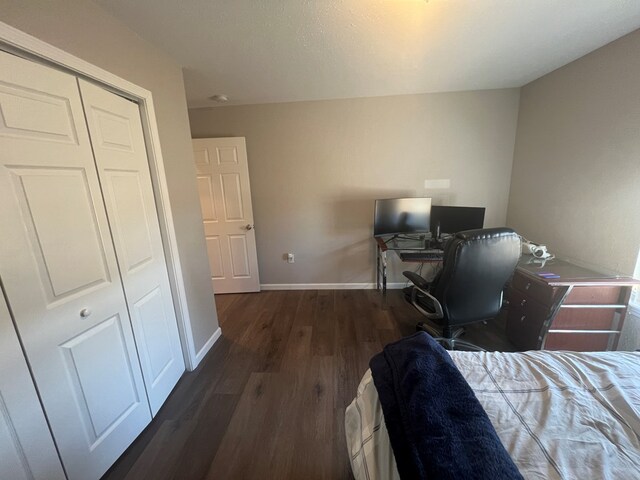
[[424, 256]]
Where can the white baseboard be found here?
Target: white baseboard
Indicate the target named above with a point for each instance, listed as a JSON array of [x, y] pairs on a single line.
[[328, 286], [207, 346]]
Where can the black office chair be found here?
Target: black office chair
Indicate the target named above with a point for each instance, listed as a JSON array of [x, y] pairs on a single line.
[[477, 265]]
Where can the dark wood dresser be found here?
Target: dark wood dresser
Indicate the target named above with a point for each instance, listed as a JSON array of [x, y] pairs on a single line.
[[582, 310]]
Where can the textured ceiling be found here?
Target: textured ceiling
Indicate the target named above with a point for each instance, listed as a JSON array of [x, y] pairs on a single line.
[[261, 51]]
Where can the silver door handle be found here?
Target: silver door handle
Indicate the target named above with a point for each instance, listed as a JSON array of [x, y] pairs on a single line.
[[85, 312], [249, 226]]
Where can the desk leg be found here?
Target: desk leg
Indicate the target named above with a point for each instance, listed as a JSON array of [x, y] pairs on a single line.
[[384, 273], [378, 268]]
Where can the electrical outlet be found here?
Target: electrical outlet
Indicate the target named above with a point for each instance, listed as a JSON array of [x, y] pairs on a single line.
[[291, 258]]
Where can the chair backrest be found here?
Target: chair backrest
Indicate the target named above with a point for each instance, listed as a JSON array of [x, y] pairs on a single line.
[[477, 265]]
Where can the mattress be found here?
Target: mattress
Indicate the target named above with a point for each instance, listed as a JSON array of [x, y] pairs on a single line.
[[560, 415]]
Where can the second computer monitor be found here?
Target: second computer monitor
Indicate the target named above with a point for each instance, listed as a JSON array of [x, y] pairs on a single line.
[[455, 219]]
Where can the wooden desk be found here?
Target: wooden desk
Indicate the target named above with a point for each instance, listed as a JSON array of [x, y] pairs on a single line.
[[583, 310]]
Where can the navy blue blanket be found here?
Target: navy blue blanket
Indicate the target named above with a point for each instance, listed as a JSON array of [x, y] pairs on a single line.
[[436, 425]]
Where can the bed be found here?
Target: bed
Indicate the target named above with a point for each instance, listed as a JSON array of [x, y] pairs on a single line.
[[559, 415]]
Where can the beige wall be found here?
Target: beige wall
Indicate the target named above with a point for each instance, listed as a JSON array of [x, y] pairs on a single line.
[[576, 172], [316, 168], [85, 30]]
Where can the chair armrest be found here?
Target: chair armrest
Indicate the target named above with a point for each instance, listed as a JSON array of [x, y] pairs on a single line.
[[436, 304], [416, 279], [504, 302]]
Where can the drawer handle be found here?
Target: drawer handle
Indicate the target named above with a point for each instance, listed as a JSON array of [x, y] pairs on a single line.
[[522, 318], [523, 302], [85, 312], [526, 287]]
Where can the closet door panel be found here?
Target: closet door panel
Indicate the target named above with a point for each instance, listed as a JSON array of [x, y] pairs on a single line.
[[63, 194], [59, 270], [121, 157], [26, 447]]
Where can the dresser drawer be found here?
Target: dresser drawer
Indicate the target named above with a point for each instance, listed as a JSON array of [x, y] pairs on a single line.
[[522, 301], [588, 295], [533, 288], [525, 320], [578, 342]]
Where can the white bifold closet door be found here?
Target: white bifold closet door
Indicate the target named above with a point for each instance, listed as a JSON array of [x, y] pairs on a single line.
[[118, 144], [59, 270], [79, 270], [26, 447]]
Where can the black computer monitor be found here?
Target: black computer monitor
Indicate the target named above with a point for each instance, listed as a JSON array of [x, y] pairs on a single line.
[[455, 219], [401, 216]]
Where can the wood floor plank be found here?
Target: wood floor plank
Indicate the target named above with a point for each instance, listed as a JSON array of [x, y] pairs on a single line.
[[224, 302], [306, 308], [159, 453], [280, 329], [323, 324], [379, 308], [361, 311], [251, 446], [314, 434], [344, 319], [298, 347], [200, 449], [268, 401]]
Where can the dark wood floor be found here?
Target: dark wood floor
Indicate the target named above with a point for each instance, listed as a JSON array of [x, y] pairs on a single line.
[[268, 401]]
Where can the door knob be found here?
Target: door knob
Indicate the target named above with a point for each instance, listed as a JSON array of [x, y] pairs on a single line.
[[249, 226], [85, 312]]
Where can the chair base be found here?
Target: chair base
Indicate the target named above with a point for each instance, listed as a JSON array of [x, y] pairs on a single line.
[[452, 342]]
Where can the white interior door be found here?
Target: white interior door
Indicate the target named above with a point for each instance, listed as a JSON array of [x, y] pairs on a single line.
[[27, 451], [225, 199], [59, 271], [118, 144]]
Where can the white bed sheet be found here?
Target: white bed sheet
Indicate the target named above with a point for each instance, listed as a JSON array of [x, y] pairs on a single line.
[[560, 415]]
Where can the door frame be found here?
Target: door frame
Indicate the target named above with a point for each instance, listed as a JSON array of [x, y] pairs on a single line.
[[29, 47]]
